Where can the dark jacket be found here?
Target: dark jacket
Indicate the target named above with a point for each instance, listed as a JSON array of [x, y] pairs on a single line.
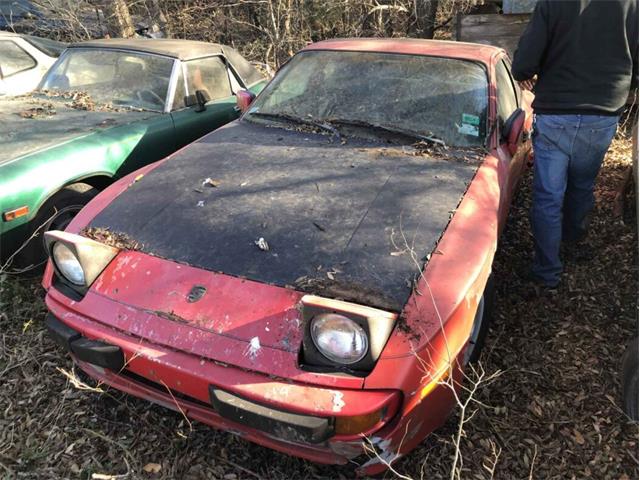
[[585, 53]]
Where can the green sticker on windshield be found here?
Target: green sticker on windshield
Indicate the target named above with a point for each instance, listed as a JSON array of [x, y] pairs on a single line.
[[470, 119]]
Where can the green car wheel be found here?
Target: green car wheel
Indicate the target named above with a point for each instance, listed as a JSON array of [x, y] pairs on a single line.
[[55, 214]]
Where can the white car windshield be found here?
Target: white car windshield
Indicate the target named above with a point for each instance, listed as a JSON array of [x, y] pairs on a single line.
[[113, 77], [442, 98]]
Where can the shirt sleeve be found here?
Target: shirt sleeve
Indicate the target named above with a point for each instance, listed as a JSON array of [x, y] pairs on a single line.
[[532, 46]]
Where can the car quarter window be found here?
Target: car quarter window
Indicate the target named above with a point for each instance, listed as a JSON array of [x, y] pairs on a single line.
[[247, 72], [516, 87], [507, 101], [14, 59], [209, 75], [51, 48]]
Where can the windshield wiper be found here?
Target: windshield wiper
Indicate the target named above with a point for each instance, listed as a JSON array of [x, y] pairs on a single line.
[[386, 128], [299, 120]]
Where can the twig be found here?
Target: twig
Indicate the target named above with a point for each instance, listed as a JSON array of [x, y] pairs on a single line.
[[533, 460], [102, 476], [241, 468], [177, 405], [118, 444]]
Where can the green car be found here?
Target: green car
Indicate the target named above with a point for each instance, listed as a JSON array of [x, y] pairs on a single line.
[[105, 109]]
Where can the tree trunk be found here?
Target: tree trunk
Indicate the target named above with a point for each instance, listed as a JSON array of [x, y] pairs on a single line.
[[159, 17], [118, 18], [425, 18]]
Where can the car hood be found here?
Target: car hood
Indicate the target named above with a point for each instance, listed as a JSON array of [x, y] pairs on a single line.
[[31, 123], [353, 220]]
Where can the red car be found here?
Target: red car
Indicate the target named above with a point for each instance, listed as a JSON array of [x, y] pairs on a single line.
[[307, 277]]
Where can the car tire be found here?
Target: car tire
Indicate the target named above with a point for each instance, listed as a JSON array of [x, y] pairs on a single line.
[[630, 380], [481, 323], [55, 214]]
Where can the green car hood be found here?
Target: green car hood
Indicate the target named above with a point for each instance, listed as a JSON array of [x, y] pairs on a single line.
[[30, 124]]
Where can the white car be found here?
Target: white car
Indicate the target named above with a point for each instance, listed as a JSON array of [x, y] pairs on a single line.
[[24, 59]]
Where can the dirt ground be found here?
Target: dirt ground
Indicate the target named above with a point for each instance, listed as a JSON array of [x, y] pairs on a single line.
[[552, 413]]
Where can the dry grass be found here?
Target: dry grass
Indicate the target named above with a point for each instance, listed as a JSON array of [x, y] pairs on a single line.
[[553, 413]]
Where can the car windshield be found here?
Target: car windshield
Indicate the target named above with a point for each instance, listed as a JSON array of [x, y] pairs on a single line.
[[435, 97], [113, 77]]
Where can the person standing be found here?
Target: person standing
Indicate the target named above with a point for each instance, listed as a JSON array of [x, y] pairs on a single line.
[[580, 58]]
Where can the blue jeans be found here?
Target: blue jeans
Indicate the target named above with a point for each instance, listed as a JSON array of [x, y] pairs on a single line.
[[568, 151]]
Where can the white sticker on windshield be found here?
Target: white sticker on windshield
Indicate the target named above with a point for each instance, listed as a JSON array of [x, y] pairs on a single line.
[[470, 125], [467, 129]]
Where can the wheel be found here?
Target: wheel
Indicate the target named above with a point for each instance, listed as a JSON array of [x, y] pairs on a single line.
[[55, 214], [481, 323], [630, 380]]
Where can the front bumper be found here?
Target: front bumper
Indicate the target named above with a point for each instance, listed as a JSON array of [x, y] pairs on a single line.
[[247, 404]]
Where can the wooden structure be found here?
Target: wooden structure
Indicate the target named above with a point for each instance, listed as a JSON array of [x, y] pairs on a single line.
[[501, 30], [498, 23]]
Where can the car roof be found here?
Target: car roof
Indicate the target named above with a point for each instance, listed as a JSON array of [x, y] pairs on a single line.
[[414, 46], [4, 33], [180, 49]]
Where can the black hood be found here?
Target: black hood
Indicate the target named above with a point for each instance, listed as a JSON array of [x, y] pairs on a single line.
[[340, 220]]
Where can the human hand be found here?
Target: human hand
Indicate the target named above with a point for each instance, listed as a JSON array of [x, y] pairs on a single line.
[[528, 84]]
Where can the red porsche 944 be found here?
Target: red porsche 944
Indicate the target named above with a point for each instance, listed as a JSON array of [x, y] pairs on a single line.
[[316, 276]]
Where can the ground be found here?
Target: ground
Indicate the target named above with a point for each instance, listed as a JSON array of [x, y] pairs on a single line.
[[553, 412]]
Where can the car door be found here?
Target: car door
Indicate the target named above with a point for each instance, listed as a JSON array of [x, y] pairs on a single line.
[[210, 76], [509, 100]]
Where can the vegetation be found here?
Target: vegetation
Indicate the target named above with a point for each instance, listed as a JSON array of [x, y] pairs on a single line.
[[265, 30]]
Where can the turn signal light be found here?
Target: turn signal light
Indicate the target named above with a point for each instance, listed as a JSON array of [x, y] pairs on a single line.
[[431, 386], [15, 213], [357, 424]]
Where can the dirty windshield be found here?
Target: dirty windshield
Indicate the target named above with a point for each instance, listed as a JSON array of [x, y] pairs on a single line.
[[122, 79], [441, 98]]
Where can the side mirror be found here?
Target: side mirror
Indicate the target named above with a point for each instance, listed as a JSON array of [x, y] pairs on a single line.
[[244, 99], [200, 100], [511, 132]]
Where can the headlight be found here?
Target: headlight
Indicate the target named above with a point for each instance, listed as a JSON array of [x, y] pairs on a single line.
[[78, 260], [68, 264], [339, 338]]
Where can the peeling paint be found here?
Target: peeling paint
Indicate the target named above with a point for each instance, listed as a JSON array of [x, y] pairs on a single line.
[[253, 349], [338, 402], [347, 449], [385, 454], [277, 392]]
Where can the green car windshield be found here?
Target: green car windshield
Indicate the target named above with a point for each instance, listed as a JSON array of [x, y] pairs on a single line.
[[118, 78], [436, 97]]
